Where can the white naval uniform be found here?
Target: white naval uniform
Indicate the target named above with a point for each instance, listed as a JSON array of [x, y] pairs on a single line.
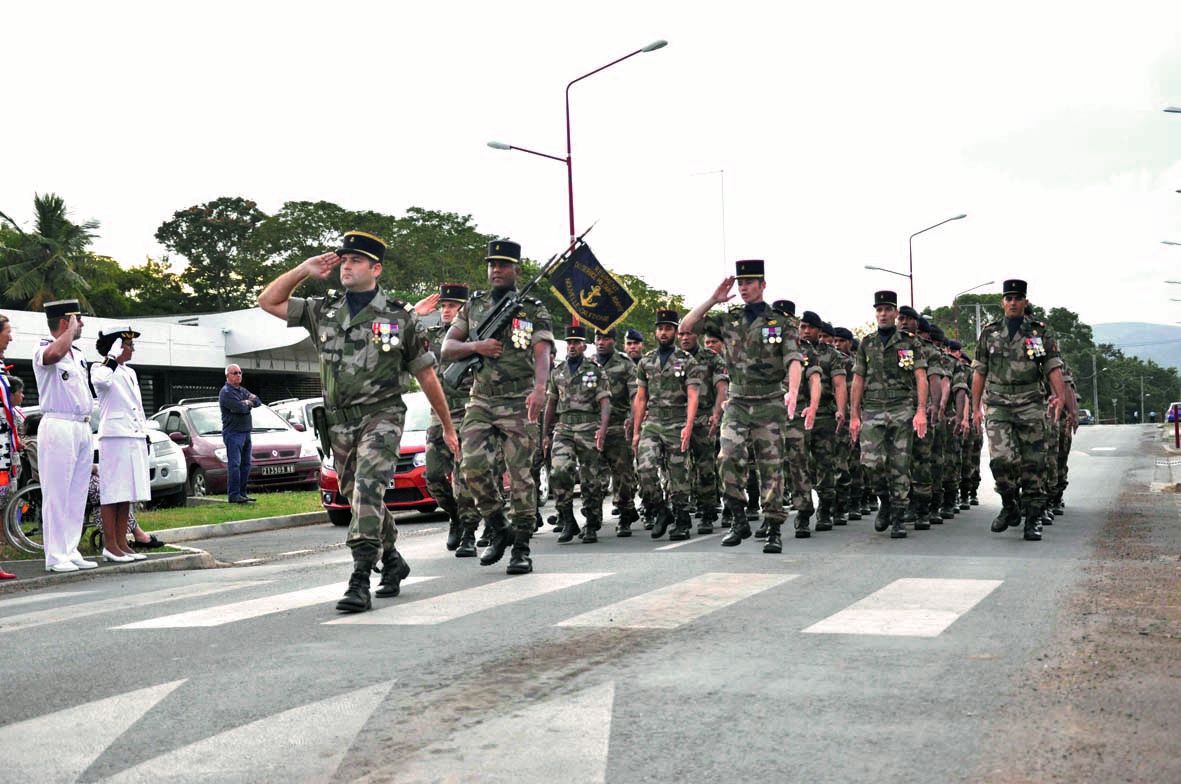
[[122, 436], [64, 452]]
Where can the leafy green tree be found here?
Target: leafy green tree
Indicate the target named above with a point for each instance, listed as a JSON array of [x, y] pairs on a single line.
[[156, 290], [216, 240], [47, 263]]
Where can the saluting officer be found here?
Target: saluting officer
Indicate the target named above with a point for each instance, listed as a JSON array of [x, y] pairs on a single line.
[[444, 478], [65, 453], [890, 397], [577, 414], [1013, 356], [762, 355], [508, 394], [368, 343]]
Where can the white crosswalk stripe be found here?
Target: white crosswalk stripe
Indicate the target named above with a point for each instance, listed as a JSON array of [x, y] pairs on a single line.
[[912, 607], [128, 601], [253, 608], [458, 604], [19, 601], [680, 603], [60, 746]]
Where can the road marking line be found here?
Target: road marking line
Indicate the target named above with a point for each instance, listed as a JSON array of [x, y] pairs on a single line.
[[911, 607], [252, 608], [307, 743], [680, 603], [675, 545], [79, 735], [448, 607], [129, 601], [297, 552], [40, 597], [1103, 448], [248, 561]]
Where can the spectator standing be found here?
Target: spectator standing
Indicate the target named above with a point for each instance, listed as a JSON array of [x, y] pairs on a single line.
[[9, 442], [236, 423]]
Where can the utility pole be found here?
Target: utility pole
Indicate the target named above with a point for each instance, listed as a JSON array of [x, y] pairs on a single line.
[[1095, 381], [1143, 413]]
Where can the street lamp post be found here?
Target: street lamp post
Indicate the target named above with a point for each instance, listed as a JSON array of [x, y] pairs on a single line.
[[910, 249], [569, 159], [955, 305]]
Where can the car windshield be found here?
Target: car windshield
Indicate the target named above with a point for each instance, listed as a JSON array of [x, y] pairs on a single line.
[[207, 420]]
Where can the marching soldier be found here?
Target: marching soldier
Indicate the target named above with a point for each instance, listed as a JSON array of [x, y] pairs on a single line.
[[1066, 431], [618, 458], [890, 397], [578, 412], [848, 492], [702, 447], [922, 450], [633, 345], [1013, 356], [507, 397], [938, 392], [827, 365], [444, 478], [762, 356], [669, 383], [368, 344], [961, 387], [946, 470]]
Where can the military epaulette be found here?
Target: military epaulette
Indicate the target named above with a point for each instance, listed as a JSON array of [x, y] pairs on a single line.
[[734, 310], [992, 325], [1037, 323], [533, 301], [397, 303], [331, 294], [478, 294]]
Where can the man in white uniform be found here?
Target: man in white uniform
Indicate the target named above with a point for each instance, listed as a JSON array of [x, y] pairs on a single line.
[[63, 439]]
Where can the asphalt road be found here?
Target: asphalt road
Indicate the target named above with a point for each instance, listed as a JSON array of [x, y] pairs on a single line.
[[850, 657]]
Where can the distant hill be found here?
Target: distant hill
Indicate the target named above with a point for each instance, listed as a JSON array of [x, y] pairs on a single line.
[[1160, 343]]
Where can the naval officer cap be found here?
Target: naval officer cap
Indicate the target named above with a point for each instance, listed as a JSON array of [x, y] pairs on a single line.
[[368, 245], [63, 308]]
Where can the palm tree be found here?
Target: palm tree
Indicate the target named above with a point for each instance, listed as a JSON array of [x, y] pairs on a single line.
[[46, 264]]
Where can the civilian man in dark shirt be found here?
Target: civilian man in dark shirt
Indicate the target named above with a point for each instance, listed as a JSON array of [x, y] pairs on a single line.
[[236, 423]]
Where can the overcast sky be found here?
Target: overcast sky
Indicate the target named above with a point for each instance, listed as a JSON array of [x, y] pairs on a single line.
[[841, 127]]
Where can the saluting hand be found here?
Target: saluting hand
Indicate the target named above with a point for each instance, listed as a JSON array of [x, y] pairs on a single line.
[[321, 266], [426, 305], [722, 293]]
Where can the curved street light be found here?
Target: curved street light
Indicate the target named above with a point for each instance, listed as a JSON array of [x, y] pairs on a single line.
[[910, 248], [955, 305]]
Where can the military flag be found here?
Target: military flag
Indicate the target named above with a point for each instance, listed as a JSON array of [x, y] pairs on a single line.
[[589, 291]]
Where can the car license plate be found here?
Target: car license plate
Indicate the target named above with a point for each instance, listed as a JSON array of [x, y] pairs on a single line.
[[274, 470]]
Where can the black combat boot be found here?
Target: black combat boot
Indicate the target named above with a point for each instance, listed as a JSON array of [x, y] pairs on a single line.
[[774, 543], [803, 518], [1047, 517], [467, 542], [897, 527], [1010, 513], [910, 514], [882, 521], [394, 570], [761, 533], [852, 507], [950, 508], [739, 528], [1058, 506], [455, 529], [664, 519], [1033, 527], [570, 527], [485, 536], [519, 561], [555, 522], [840, 513], [709, 516], [922, 516], [871, 504], [727, 516], [594, 521], [824, 516], [500, 536], [356, 597], [682, 525], [626, 518], [615, 511], [649, 517], [972, 499], [933, 516]]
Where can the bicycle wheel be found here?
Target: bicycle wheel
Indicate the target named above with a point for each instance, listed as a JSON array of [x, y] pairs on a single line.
[[22, 519]]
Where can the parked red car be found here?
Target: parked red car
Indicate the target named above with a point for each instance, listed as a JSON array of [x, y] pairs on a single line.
[[407, 487]]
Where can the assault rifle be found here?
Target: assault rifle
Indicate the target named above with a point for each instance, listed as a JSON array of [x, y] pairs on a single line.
[[499, 317]]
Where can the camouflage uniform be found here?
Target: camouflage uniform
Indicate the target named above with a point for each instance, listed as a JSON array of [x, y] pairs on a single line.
[[888, 408], [667, 388], [495, 423], [618, 457], [1013, 369], [1065, 443], [823, 447], [444, 478], [576, 391], [926, 452], [703, 451], [761, 344], [797, 474], [954, 457], [364, 362], [848, 467]]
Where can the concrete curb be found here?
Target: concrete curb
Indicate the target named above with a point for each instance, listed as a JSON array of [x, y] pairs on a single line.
[[192, 558], [1165, 474], [231, 528]]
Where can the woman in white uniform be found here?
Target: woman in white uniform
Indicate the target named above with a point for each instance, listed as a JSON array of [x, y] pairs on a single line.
[[122, 440]]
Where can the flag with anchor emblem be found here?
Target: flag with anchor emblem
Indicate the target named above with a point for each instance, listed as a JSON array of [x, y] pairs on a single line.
[[589, 291]]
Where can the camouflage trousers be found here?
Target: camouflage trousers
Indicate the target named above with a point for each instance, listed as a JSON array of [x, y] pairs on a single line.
[[953, 447], [796, 471], [845, 466], [758, 426], [973, 448], [922, 459], [825, 458], [703, 456], [886, 436], [444, 479], [1059, 440], [493, 430], [619, 462], [573, 454], [1017, 452], [660, 448], [365, 453], [1065, 444]]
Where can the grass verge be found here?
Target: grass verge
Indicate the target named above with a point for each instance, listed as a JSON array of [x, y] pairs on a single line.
[[268, 505]]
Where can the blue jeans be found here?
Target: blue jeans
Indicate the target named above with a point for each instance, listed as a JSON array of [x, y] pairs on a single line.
[[237, 462]]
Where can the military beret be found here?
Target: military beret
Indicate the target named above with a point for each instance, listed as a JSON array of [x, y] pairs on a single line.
[[842, 333], [712, 331], [608, 334], [937, 334], [635, 336], [826, 328], [908, 311], [954, 345], [63, 308], [362, 242], [924, 325], [811, 319]]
